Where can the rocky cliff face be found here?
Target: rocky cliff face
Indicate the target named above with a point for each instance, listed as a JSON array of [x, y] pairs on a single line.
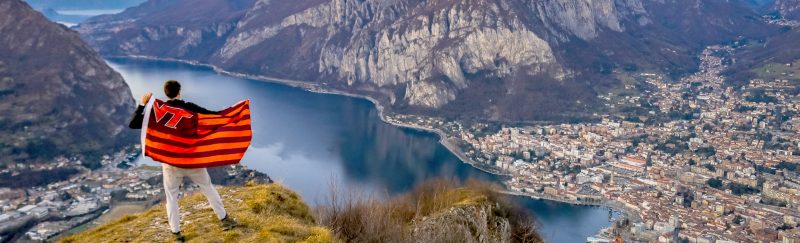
[[57, 96], [413, 52], [499, 60], [483, 225]]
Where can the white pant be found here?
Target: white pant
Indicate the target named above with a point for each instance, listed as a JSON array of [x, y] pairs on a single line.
[[173, 178]]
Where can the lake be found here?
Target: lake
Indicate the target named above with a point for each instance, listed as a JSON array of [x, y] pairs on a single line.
[[309, 141], [89, 12]]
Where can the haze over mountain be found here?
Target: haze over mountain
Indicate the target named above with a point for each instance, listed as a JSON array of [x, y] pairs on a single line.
[[72, 12], [57, 96], [82, 4], [497, 60]]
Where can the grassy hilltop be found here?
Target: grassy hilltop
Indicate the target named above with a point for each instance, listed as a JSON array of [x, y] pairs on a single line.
[[439, 211], [266, 213]]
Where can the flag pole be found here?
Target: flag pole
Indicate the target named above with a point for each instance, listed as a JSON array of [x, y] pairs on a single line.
[[147, 108]]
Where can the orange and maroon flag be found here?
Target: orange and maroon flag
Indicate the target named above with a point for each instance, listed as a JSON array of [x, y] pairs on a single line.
[[186, 139]]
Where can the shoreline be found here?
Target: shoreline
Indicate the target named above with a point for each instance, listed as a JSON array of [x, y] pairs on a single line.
[[604, 203], [443, 138], [316, 88]]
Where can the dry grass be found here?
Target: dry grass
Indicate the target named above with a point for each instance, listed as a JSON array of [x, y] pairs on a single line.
[[266, 213], [436, 211]]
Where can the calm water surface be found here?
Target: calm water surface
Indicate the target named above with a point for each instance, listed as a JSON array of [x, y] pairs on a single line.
[[308, 141], [89, 12]]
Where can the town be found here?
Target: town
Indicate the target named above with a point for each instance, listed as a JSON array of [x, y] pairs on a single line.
[[696, 161]]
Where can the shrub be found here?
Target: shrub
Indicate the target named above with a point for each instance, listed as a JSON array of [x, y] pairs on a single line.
[[715, 183], [42, 149]]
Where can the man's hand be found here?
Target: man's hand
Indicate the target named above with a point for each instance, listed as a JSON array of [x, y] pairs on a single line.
[[146, 98]]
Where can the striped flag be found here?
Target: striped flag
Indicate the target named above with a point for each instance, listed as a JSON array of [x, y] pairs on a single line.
[[186, 139]]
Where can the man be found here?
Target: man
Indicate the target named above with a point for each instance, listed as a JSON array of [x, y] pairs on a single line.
[[173, 176]]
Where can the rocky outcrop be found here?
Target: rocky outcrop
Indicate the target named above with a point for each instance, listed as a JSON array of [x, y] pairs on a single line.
[[499, 60], [473, 223], [57, 96]]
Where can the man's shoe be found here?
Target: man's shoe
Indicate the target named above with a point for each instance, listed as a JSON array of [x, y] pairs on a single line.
[[179, 237], [228, 223]]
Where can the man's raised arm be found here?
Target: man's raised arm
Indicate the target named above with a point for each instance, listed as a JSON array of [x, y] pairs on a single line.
[[138, 115]]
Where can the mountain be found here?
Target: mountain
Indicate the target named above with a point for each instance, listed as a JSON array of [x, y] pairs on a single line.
[[273, 213], [514, 60], [57, 96], [781, 49]]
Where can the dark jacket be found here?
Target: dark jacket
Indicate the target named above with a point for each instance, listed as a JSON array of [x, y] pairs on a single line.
[[138, 115]]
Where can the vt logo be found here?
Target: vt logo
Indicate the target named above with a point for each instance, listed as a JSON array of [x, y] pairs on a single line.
[[178, 114]]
